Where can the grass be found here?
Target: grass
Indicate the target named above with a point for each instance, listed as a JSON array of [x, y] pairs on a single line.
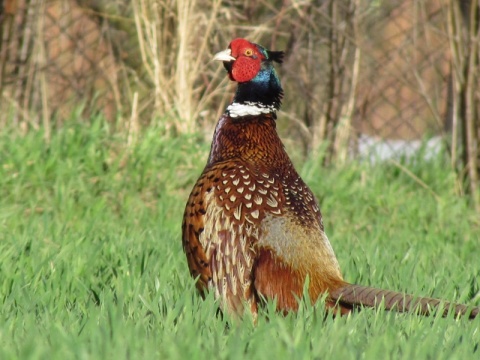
[[91, 264]]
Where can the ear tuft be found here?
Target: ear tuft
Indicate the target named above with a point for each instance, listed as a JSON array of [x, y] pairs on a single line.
[[276, 56]]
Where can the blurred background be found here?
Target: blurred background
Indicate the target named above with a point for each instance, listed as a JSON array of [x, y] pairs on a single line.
[[362, 78]]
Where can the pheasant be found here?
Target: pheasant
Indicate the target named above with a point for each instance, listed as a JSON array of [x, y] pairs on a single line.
[[252, 229]]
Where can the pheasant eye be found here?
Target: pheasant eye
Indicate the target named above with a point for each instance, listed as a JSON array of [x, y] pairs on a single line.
[[248, 52]]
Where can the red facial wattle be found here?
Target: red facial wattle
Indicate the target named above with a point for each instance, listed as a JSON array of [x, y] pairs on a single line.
[[245, 69]]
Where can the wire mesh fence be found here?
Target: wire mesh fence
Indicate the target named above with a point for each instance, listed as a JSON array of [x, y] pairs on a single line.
[[55, 58], [403, 93]]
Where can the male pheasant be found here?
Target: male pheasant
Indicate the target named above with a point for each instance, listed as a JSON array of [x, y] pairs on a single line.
[[252, 229]]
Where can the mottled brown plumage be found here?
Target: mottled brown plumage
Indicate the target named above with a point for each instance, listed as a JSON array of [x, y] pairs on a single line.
[[252, 228]]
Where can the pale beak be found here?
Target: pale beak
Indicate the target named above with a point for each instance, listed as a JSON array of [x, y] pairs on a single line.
[[225, 55]]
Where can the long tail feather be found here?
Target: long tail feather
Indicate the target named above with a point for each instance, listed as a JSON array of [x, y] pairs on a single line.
[[351, 296]]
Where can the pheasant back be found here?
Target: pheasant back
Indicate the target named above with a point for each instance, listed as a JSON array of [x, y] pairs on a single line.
[[251, 226]]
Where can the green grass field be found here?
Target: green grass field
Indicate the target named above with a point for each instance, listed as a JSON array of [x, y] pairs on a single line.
[[91, 263]]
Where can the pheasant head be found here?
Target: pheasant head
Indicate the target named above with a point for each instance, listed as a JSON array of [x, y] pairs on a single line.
[[259, 90]]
